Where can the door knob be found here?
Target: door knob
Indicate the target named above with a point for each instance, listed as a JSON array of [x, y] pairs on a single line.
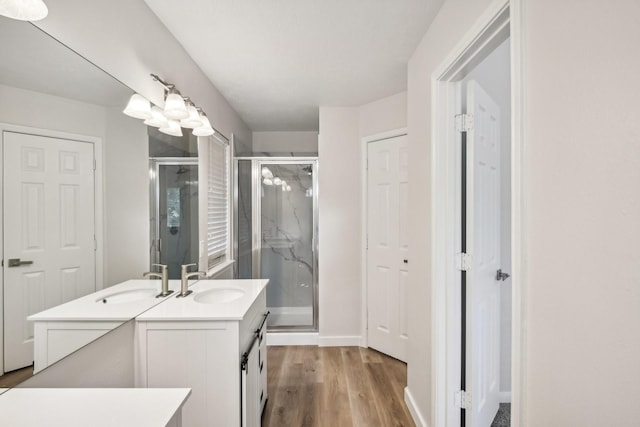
[[16, 262], [500, 275]]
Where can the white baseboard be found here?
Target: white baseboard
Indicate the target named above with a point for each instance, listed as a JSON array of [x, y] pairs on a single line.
[[340, 341], [505, 397], [292, 338], [413, 409]]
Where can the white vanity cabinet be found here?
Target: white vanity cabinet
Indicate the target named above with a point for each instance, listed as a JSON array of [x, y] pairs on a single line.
[[254, 377], [199, 342], [63, 329]]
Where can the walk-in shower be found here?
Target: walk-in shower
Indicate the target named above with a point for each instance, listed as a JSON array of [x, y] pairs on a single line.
[[174, 213], [276, 235]]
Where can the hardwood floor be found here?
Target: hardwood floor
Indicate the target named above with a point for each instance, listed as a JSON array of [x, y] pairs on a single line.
[[14, 378], [334, 386]]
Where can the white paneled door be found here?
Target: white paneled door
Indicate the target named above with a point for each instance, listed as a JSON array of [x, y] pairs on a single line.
[[49, 222], [387, 248], [483, 242]]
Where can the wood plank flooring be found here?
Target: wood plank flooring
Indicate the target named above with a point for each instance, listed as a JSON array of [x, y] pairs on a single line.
[[334, 386], [14, 378]]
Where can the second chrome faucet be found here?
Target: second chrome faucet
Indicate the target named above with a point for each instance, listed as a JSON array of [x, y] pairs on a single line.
[[185, 276]]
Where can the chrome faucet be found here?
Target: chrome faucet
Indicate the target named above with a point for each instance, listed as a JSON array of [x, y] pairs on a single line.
[[164, 276], [185, 276]]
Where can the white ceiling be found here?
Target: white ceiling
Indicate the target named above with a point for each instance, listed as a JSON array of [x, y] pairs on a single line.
[[277, 61]]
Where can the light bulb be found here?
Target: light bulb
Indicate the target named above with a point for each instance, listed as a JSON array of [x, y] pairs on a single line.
[[267, 181], [24, 10], [157, 119], [138, 107], [277, 181], [173, 128], [288, 188], [266, 172], [205, 129], [194, 120], [174, 106]]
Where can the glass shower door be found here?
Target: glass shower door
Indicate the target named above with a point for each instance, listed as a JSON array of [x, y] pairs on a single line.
[[176, 215], [287, 227]]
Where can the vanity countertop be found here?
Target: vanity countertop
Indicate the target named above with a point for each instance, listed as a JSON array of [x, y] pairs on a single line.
[[76, 407], [230, 300], [92, 308]]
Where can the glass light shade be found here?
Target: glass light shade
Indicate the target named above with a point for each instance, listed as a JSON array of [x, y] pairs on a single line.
[[267, 181], [288, 188], [157, 119], [24, 10], [172, 129], [277, 181], [174, 107], [205, 129], [266, 172], [138, 107], [194, 120]]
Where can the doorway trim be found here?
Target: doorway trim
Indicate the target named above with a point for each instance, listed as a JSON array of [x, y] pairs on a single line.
[[98, 205], [500, 17], [364, 144]]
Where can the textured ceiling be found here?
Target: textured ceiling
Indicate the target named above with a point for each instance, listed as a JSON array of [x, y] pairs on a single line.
[[277, 61]]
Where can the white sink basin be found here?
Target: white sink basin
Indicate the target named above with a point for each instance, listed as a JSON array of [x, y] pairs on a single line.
[[218, 295], [130, 295]]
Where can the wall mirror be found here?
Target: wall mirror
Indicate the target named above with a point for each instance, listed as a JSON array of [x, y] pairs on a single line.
[[50, 95]]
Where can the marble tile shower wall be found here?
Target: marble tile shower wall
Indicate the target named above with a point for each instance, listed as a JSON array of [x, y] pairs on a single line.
[[287, 235]]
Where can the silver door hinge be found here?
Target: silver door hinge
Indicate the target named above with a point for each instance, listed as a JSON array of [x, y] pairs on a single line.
[[464, 122], [464, 261], [462, 399]]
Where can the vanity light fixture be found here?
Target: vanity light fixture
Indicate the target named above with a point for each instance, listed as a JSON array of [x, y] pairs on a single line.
[[193, 120], [277, 181], [138, 107], [173, 128], [288, 187], [178, 112], [205, 129], [157, 119], [266, 172], [174, 105], [24, 10], [267, 181]]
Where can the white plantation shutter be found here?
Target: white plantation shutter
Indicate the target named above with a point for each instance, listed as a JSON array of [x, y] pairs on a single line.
[[217, 202]]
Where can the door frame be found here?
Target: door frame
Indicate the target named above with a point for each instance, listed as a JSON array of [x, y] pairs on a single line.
[[98, 205], [364, 285], [502, 16]]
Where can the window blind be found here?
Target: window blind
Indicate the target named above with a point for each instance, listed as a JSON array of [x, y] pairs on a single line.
[[217, 202]]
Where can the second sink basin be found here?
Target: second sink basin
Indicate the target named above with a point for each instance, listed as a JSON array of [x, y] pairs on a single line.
[[129, 295], [218, 295]]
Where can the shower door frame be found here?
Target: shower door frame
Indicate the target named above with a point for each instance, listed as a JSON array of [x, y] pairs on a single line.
[[155, 246], [256, 224]]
